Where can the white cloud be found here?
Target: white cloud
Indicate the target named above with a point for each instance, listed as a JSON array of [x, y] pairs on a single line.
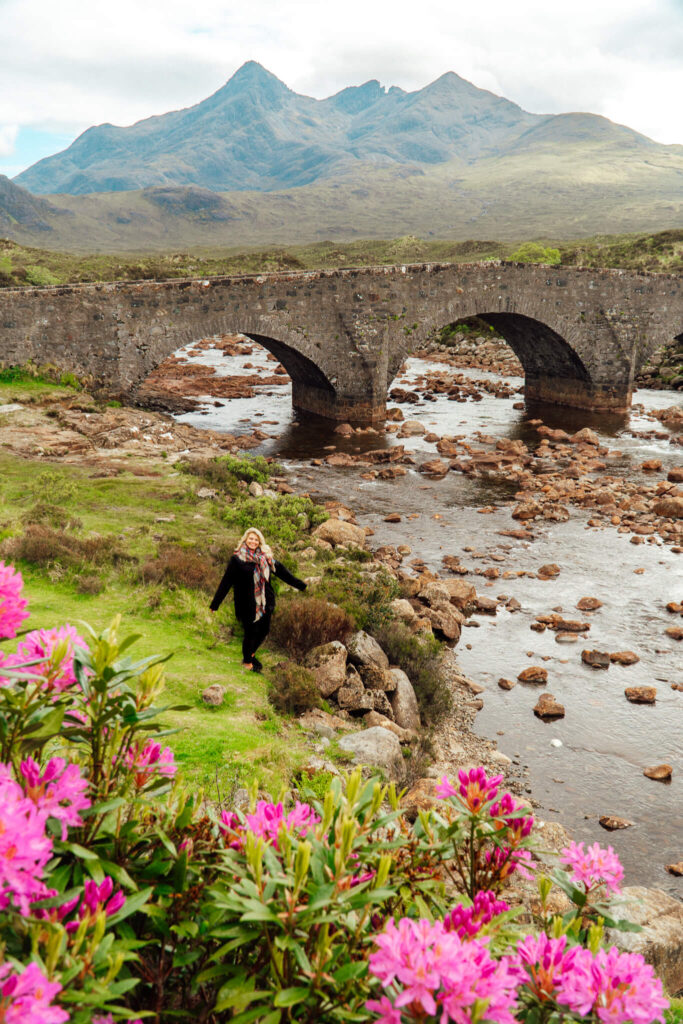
[[8, 138], [66, 66]]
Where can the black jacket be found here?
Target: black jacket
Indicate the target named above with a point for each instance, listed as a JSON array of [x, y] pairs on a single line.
[[240, 576]]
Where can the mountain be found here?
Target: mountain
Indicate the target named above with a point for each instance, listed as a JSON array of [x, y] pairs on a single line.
[[257, 134], [257, 163]]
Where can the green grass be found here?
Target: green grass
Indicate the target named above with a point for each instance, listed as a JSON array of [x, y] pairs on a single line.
[[674, 1015], [243, 737]]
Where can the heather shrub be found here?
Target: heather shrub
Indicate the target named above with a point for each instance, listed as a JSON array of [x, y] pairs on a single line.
[[46, 514], [421, 658], [301, 623], [281, 519], [224, 471], [292, 688], [176, 566], [42, 545], [365, 596]]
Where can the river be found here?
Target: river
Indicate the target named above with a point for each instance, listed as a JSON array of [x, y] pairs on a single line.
[[589, 763]]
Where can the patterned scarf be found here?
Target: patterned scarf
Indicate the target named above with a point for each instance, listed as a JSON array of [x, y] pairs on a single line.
[[261, 576]]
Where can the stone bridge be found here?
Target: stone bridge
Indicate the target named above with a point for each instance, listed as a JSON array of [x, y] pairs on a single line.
[[342, 335]]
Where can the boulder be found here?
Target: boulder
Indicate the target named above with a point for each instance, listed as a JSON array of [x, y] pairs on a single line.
[[486, 605], [434, 467], [641, 694], [460, 592], [651, 465], [434, 592], [403, 610], [549, 571], [585, 436], [404, 702], [526, 510], [624, 658], [336, 531], [661, 940], [506, 684], [675, 632], [596, 659], [328, 664], [354, 697], [547, 707], [420, 797], [669, 507], [381, 703], [659, 772], [376, 746], [214, 695], [675, 475], [588, 604], [255, 489], [412, 428], [375, 678], [444, 619], [375, 718], [612, 823], [675, 869], [364, 650], [534, 674]]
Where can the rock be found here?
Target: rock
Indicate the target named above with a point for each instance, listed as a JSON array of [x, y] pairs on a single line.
[[588, 604], [651, 465], [376, 746], [403, 610], [404, 702], [345, 429], [526, 510], [328, 664], [434, 467], [434, 592], [641, 694], [675, 475], [364, 650], [596, 659], [206, 493], [669, 507], [675, 869], [612, 823], [560, 625], [660, 772], [393, 517], [566, 638], [444, 619], [661, 940], [506, 684], [213, 695], [381, 703], [624, 658], [486, 605], [548, 572], [547, 707], [394, 415], [375, 718], [375, 678], [336, 531], [323, 723], [354, 697], [420, 797], [255, 489], [675, 632], [585, 436], [534, 674], [412, 428]]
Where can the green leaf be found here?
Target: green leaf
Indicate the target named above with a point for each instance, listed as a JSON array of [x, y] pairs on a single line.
[[290, 996], [133, 903]]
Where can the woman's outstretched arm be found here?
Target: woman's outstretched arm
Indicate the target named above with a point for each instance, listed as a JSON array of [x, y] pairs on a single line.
[[223, 586], [286, 576]]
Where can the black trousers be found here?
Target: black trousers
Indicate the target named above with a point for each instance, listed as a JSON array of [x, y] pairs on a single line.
[[254, 635]]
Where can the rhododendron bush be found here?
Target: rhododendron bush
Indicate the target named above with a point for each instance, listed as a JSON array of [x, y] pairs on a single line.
[[123, 898]]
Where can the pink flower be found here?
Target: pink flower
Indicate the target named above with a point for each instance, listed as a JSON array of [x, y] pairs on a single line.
[[40, 645], [59, 791], [26, 998], [388, 1014], [429, 970], [545, 961], [149, 761], [507, 809], [445, 788], [268, 818], [595, 867], [615, 986], [95, 898], [475, 788], [12, 605], [505, 861], [468, 921], [25, 849]]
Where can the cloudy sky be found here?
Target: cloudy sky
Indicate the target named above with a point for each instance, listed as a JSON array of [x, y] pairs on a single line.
[[68, 64]]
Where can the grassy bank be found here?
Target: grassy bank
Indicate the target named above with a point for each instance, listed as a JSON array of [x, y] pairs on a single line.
[[23, 265]]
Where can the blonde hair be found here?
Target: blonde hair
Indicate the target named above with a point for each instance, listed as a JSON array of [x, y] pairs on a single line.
[[265, 548]]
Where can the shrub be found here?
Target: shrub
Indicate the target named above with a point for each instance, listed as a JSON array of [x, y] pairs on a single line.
[[365, 596], [282, 520], [59, 486], [89, 584], [302, 623], [43, 513], [293, 688], [224, 471], [41, 545], [534, 252], [421, 658], [180, 567], [41, 277]]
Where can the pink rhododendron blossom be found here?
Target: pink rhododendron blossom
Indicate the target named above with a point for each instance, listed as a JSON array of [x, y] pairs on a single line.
[[505, 861], [445, 788], [26, 997], [475, 788], [596, 866], [431, 971], [25, 849], [96, 898], [40, 645], [614, 986], [232, 829], [148, 761], [518, 826], [545, 961], [268, 818], [59, 791], [468, 921], [12, 604]]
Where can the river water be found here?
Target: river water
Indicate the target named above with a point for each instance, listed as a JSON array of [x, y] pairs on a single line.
[[591, 762]]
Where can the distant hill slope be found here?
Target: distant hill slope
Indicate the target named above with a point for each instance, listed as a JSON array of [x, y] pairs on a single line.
[[257, 134]]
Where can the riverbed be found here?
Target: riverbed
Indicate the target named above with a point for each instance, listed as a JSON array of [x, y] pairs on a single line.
[[589, 763]]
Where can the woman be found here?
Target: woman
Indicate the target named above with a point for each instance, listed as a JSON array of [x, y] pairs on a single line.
[[248, 573]]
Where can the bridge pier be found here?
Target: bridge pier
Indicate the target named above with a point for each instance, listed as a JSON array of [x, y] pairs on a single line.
[[578, 394], [358, 410]]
